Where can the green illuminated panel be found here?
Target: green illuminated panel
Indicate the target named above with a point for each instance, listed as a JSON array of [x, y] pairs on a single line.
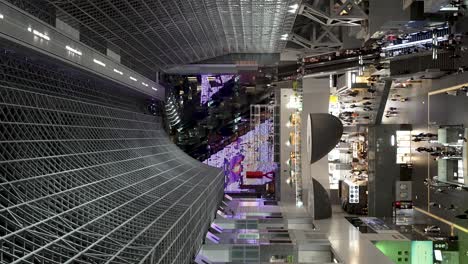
[[422, 252], [397, 251]]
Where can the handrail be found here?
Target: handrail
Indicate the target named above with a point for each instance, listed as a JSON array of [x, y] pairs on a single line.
[[451, 224], [448, 89]]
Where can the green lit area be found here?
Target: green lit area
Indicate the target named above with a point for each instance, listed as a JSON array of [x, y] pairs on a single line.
[[425, 252], [397, 251], [414, 252], [422, 252]]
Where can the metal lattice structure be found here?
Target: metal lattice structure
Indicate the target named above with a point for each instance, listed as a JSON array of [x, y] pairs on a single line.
[[324, 32], [154, 34], [87, 177], [262, 126]]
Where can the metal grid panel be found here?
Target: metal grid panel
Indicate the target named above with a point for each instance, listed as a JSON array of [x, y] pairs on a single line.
[[164, 33], [86, 177]]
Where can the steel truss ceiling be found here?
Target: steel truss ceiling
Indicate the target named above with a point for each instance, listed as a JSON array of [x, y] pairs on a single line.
[[164, 33], [323, 31]]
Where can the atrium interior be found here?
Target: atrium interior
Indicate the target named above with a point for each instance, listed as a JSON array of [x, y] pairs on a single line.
[[233, 131]]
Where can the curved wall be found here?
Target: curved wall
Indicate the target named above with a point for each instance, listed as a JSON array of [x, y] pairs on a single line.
[[324, 131], [87, 177]]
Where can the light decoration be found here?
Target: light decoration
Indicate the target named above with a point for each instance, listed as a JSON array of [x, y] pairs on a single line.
[[294, 102], [236, 158], [293, 138], [207, 91]]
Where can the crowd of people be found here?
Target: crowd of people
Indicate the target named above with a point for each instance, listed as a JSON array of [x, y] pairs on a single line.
[[441, 152], [424, 137], [359, 105], [437, 151]]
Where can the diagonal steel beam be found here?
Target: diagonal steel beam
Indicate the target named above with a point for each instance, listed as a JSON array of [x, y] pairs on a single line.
[[327, 20]]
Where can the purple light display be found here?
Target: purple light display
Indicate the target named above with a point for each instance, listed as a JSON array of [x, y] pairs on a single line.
[[207, 91], [235, 158]]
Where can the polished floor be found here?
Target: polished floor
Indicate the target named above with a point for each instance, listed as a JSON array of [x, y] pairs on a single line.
[[354, 247]]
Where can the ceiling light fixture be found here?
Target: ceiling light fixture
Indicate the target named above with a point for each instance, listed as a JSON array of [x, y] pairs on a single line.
[[449, 8], [39, 34], [117, 71], [293, 8], [99, 62], [144, 84], [154, 88], [72, 50], [133, 78]]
